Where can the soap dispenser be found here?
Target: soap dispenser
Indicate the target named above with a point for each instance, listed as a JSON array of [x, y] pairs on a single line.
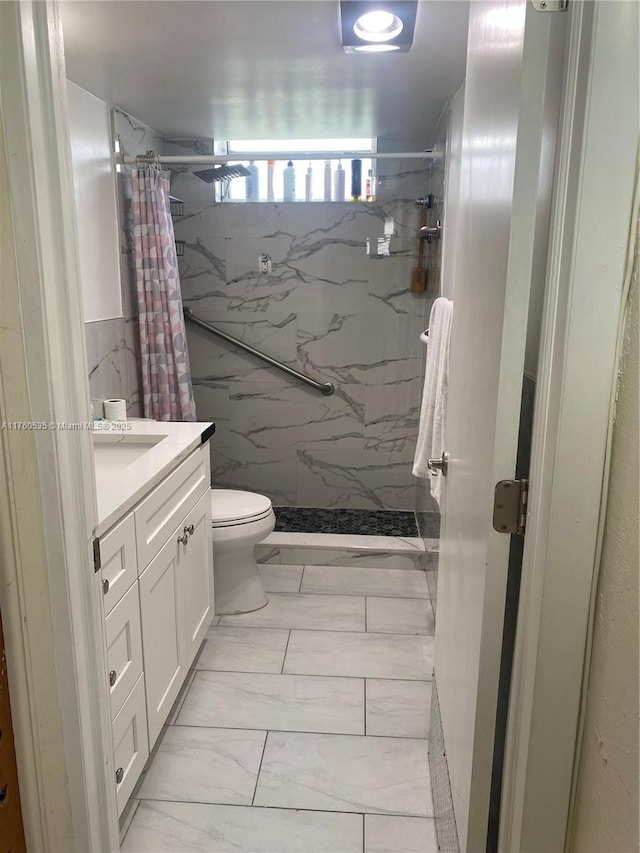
[[251, 182], [289, 183], [327, 180], [339, 182], [308, 184]]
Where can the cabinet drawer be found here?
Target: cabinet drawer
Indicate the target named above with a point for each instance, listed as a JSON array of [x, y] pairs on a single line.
[[118, 561], [159, 514], [130, 743], [124, 647]]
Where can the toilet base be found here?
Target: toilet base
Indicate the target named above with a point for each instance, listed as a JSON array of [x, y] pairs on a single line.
[[237, 584]]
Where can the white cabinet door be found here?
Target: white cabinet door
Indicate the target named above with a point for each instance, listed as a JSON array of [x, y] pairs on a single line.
[[124, 648], [195, 573], [162, 636]]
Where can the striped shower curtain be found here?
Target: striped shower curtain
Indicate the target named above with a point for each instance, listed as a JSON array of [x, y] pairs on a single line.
[[166, 374]]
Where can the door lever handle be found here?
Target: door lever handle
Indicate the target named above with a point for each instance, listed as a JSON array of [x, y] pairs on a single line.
[[441, 465]]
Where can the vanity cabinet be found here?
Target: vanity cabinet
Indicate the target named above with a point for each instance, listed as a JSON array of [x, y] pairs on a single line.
[[176, 602], [157, 582]]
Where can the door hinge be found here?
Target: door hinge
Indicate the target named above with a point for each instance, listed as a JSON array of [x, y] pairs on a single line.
[[97, 565], [550, 5], [510, 506]]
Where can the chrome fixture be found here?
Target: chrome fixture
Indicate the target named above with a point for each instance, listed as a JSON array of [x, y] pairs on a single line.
[[442, 465], [378, 27], [218, 173], [222, 173], [218, 159], [176, 206], [430, 232], [326, 388]]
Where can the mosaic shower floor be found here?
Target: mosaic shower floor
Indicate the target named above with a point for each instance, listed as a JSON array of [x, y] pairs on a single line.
[[358, 522]]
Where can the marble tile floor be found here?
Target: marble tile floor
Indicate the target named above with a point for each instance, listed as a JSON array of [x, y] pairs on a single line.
[[302, 727]]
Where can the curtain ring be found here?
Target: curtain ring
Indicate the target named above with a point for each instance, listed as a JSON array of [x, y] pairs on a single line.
[[151, 160]]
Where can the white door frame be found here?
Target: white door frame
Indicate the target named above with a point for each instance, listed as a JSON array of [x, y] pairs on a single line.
[[58, 691], [49, 593], [576, 383]]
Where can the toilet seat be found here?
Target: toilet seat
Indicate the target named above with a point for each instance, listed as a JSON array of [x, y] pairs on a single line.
[[230, 507]]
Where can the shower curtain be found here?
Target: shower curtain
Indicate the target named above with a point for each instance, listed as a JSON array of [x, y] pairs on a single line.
[[166, 374]]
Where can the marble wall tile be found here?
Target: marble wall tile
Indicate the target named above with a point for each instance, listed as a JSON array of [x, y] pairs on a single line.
[[392, 414], [131, 349], [266, 471], [363, 479], [325, 308], [214, 359], [264, 415], [113, 358], [107, 359], [367, 349], [203, 267]]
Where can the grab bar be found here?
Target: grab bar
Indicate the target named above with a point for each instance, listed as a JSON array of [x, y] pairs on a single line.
[[325, 388]]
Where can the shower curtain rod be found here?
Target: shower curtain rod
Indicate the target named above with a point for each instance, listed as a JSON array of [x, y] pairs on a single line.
[[219, 159]]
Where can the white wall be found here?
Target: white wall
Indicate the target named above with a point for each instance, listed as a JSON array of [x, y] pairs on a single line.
[[606, 815], [96, 212]]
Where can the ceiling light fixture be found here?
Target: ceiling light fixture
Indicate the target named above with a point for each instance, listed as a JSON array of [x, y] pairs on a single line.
[[376, 48], [377, 26]]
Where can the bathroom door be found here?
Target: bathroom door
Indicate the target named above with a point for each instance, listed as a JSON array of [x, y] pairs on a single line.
[[511, 105]]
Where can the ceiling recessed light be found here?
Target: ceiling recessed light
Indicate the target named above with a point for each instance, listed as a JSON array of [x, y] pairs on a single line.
[[376, 48], [378, 26]]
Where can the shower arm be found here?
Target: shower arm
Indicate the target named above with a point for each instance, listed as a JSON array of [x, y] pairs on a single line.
[[326, 388]]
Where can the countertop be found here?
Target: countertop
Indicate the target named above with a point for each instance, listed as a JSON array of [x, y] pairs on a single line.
[[120, 489]]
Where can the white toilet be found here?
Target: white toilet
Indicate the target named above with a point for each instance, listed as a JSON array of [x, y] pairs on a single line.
[[239, 521]]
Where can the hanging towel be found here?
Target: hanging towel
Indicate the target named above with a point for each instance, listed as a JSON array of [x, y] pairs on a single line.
[[434, 396]]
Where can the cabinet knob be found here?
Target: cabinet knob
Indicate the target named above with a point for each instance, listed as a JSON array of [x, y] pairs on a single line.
[[105, 586], [184, 538], [189, 530], [113, 675], [119, 775]]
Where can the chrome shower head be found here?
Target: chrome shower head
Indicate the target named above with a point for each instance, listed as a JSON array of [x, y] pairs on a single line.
[[223, 173]]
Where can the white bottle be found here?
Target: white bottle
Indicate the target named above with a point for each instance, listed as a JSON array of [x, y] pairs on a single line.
[[339, 183], [251, 182], [289, 183], [270, 191], [327, 180], [308, 181]]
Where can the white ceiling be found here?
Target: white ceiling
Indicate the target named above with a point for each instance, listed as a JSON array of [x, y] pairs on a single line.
[[262, 68]]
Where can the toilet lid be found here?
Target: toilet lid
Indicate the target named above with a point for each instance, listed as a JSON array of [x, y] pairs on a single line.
[[232, 505]]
